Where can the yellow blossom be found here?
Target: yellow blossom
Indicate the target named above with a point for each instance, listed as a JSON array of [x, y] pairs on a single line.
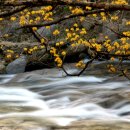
[[56, 32], [63, 53], [8, 56], [13, 18], [34, 28], [88, 8], [42, 47], [42, 40], [112, 58], [1, 19], [25, 49]]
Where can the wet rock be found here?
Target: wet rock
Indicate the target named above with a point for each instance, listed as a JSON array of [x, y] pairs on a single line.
[[17, 66], [101, 38], [95, 125], [83, 56], [123, 27], [109, 30], [88, 24], [47, 32], [2, 68], [12, 124]]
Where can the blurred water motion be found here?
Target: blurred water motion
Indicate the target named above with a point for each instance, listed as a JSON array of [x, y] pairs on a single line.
[[60, 101]]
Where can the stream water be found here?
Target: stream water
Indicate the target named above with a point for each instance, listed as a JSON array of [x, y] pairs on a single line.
[[61, 101]]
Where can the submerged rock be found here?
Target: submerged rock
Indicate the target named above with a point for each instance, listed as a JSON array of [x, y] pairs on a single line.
[[95, 125], [17, 66]]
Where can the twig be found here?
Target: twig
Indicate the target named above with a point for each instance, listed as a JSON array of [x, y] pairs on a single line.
[[86, 66]]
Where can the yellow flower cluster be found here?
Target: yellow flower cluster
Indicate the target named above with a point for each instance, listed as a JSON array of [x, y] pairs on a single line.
[[30, 51], [9, 54], [33, 49], [61, 43], [1, 19], [98, 47], [94, 15], [57, 58], [58, 61], [63, 53], [128, 23], [111, 69], [42, 40], [6, 35], [124, 40], [112, 58], [120, 2], [13, 18], [47, 27], [56, 32], [47, 8], [88, 8], [126, 46], [48, 17], [103, 16], [35, 16], [82, 18], [10, 51], [116, 44], [114, 18], [95, 45], [77, 11], [120, 47], [34, 28], [74, 34], [80, 64], [22, 20], [127, 33], [83, 31]]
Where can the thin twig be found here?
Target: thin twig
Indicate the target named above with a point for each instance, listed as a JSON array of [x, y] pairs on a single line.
[[86, 66]]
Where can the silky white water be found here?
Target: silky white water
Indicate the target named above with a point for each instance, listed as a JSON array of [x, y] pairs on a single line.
[[64, 100]]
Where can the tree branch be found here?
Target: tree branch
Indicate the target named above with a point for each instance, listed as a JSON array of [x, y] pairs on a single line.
[[62, 19], [14, 11], [106, 6], [86, 66]]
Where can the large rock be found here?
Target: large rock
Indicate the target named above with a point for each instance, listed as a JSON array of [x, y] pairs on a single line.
[[47, 32], [88, 23], [109, 29], [17, 66]]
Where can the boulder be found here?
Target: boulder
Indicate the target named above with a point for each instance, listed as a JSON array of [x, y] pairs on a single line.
[[17, 66], [47, 32], [109, 30]]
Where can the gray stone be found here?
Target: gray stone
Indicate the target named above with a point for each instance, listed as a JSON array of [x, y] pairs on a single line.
[[100, 38], [95, 125], [109, 30], [17, 66], [88, 23], [44, 32]]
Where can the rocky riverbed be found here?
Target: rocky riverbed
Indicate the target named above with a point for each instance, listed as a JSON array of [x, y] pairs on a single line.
[[47, 100]]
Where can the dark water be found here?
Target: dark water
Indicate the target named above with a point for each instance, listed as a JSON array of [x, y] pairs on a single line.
[[49, 100]]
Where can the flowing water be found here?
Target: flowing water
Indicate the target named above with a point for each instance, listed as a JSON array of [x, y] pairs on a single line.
[[59, 101]]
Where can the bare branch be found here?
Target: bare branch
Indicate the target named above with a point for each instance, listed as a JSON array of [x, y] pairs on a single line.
[[14, 11], [62, 19], [86, 66], [105, 6]]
